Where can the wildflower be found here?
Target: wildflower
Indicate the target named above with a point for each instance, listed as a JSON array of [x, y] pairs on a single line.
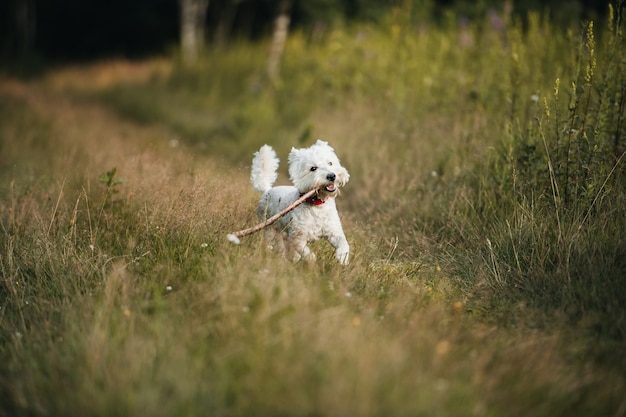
[[557, 83], [92, 247], [534, 98], [168, 288], [204, 245], [348, 294]]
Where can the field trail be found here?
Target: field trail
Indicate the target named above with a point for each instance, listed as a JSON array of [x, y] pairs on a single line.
[[102, 138], [87, 139]]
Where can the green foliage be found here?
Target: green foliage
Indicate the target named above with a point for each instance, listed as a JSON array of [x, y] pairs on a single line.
[[558, 179]]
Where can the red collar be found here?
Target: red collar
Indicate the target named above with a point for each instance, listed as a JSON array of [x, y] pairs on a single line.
[[314, 200]]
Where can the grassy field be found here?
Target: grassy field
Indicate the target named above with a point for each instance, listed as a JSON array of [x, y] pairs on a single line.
[[486, 214]]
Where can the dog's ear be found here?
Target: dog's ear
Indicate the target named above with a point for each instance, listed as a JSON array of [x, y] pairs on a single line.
[[322, 144], [294, 155]]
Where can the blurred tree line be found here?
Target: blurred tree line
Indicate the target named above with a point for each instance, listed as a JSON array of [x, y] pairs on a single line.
[[70, 30]]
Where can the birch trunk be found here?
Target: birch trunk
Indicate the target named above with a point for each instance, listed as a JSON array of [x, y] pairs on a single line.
[[281, 28], [25, 23], [192, 25]]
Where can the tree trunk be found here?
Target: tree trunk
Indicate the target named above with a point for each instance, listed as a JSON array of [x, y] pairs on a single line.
[[281, 27], [225, 24], [192, 25], [25, 24]]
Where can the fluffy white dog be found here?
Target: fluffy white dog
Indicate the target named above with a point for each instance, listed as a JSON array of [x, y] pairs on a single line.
[[309, 168]]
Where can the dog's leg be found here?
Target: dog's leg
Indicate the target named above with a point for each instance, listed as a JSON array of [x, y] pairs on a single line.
[[300, 249], [270, 238], [342, 249], [275, 240], [307, 254]]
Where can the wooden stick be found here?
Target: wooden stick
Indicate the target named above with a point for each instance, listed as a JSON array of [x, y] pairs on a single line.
[[234, 237]]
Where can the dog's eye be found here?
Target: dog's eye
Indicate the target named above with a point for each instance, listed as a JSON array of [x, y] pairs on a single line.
[[330, 163], [313, 169]]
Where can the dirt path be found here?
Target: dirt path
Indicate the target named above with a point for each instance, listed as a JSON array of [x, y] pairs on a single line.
[[70, 142], [88, 135]]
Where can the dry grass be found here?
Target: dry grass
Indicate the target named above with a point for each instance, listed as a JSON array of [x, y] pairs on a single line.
[[126, 299]]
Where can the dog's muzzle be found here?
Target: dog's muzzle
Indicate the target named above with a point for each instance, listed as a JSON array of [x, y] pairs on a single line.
[[330, 187]]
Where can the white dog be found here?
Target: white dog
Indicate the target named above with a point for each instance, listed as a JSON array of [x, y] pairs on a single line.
[[309, 168]]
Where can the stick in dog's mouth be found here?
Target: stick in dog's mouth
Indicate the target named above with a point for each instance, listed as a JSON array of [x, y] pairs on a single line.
[[234, 237]]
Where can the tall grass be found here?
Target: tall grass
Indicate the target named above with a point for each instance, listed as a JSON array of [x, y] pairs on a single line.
[[559, 223], [485, 212]]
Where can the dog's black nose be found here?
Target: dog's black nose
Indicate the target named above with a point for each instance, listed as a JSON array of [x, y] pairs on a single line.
[[331, 177]]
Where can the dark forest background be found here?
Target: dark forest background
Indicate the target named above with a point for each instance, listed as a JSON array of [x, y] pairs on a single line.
[[78, 30]]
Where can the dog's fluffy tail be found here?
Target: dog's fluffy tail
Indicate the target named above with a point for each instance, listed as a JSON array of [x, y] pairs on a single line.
[[264, 169]]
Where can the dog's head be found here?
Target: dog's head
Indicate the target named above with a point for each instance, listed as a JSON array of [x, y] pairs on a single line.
[[317, 167]]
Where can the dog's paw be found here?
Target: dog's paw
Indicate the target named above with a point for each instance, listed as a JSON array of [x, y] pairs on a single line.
[[343, 257], [308, 256]]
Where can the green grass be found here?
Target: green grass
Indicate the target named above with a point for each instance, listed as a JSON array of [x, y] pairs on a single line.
[[485, 213]]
